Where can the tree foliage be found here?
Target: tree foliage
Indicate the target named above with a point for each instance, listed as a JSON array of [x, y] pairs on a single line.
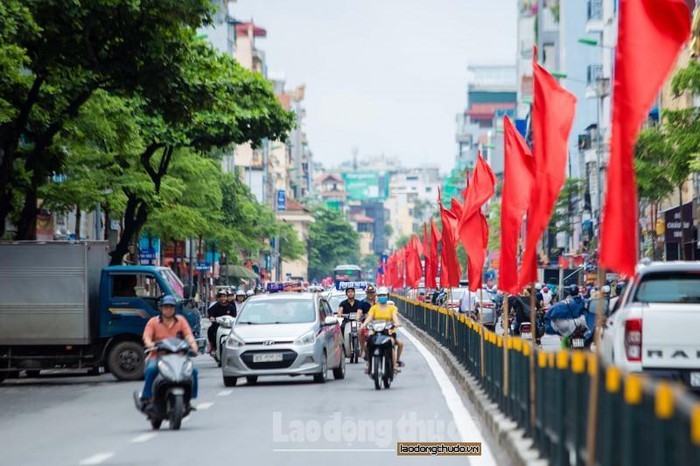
[[332, 241]]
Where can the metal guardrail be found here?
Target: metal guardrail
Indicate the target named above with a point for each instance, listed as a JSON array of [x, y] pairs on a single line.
[[637, 422]]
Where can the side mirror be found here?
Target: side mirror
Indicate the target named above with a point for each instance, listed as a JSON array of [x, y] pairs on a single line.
[[186, 292], [331, 321]]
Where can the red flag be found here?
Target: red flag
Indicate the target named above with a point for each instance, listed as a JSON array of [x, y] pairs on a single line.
[[552, 116], [413, 268], [473, 227], [433, 261], [457, 207], [650, 35], [426, 248], [451, 271], [518, 178], [563, 262]]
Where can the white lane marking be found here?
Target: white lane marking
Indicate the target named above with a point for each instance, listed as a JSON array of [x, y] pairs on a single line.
[[203, 406], [463, 419], [97, 459], [334, 450], [143, 438], [224, 393]]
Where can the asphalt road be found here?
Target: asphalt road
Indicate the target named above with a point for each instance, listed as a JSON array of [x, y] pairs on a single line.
[[60, 420]]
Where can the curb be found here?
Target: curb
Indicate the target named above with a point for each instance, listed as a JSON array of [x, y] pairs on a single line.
[[510, 438]]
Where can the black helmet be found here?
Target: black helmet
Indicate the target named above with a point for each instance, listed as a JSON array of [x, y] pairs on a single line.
[[371, 289], [572, 290]]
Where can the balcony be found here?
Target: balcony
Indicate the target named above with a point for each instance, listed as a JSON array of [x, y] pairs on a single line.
[[597, 86], [594, 16]]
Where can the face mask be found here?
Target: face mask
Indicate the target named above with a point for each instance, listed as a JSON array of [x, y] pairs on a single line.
[[383, 299]]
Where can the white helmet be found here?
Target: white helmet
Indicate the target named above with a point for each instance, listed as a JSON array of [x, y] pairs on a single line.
[[383, 291], [605, 289], [538, 286], [240, 293], [249, 293]]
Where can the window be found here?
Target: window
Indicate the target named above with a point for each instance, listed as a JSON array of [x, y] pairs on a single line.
[[670, 287], [135, 286]]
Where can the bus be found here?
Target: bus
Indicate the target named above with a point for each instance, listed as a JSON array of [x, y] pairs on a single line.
[[346, 273]]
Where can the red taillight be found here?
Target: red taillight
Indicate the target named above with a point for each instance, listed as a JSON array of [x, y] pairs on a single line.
[[633, 340], [487, 305]]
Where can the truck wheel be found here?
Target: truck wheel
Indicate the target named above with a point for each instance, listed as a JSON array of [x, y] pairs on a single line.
[[126, 360]]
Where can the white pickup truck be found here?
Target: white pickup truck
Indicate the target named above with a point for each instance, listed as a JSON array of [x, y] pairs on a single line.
[[655, 326]]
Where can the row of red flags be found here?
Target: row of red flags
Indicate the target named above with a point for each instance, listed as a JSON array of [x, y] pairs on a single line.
[[650, 35]]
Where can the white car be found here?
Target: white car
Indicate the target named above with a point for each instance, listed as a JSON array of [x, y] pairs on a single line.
[[655, 325]]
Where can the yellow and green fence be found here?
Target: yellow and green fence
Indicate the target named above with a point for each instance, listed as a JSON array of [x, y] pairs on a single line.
[[637, 421]]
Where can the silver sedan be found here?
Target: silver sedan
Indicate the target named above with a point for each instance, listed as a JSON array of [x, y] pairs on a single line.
[[284, 334]]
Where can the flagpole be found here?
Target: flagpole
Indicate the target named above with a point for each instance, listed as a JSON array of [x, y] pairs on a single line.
[[533, 335], [481, 322], [595, 374], [506, 327]]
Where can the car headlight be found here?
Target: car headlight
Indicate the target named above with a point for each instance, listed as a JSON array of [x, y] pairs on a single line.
[[165, 370], [187, 369], [306, 339], [234, 341]]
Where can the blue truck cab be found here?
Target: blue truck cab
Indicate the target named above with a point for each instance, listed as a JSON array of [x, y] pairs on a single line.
[[85, 314]]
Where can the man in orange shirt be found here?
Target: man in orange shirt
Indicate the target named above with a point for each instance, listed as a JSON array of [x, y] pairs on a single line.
[[166, 325]]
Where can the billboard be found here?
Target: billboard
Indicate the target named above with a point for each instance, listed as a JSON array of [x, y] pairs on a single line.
[[366, 186]]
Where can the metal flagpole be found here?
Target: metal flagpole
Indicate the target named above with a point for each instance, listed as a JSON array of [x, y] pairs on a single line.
[[481, 321], [595, 374], [506, 328], [533, 336]]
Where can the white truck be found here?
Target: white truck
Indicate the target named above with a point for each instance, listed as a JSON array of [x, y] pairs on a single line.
[[655, 326]]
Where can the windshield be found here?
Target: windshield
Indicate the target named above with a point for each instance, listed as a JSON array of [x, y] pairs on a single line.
[[347, 275], [176, 286], [277, 312], [669, 287]]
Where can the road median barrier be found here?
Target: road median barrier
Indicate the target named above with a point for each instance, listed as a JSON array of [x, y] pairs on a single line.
[[638, 421]]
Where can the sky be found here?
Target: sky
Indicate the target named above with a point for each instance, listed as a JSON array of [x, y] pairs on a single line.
[[383, 76]]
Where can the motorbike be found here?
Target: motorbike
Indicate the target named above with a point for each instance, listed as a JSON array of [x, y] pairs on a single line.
[[379, 348], [351, 342], [526, 331], [222, 333], [172, 387], [577, 340]]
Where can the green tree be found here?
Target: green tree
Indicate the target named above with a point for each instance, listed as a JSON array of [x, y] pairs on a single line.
[[60, 53], [332, 241], [402, 241], [291, 247]]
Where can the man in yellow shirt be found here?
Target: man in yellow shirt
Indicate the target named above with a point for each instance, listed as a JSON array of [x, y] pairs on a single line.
[[384, 311]]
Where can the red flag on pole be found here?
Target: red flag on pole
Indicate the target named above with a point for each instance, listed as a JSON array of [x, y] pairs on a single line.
[[413, 267], [473, 227], [518, 178], [434, 259], [650, 35], [552, 116], [457, 207], [451, 271], [426, 248]]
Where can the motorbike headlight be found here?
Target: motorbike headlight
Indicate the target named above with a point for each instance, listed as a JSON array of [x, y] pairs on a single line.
[[187, 369], [234, 341], [306, 339], [379, 326], [165, 370]]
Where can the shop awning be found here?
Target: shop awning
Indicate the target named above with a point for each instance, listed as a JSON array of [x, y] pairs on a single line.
[[237, 271]]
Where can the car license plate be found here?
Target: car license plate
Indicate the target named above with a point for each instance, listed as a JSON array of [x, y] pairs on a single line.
[[267, 357], [695, 379], [526, 336], [577, 343]]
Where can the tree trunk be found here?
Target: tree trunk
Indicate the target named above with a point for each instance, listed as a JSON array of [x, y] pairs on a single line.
[[135, 216], [26, 227], [682, 244], [78, 221]]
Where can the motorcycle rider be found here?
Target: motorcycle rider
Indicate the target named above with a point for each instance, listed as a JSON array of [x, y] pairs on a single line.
[[546, 297], [219, 309], [166, 325], [249, 293], [367, 303], [258, 290], [383, 311], [348, 306], [566, 315], [238, 303]]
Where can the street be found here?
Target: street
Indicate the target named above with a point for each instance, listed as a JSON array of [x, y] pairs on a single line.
[[91, 420]]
